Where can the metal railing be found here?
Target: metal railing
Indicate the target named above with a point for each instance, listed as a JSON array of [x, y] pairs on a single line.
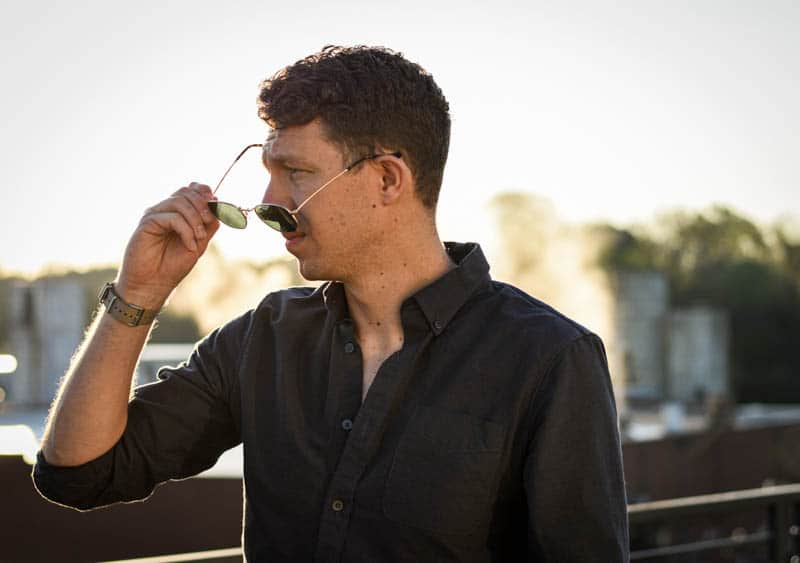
[[215, 555], [779, 533], [780, 536]]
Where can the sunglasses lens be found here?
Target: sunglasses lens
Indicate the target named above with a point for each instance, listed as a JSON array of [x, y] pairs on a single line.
[[276, 217], [228, 214]]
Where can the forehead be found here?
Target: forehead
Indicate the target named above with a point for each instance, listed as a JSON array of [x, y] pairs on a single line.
[[299, 143]]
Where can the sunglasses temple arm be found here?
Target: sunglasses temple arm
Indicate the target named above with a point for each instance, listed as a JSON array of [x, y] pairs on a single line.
[[241, 154], [322, 187], [345, 171]]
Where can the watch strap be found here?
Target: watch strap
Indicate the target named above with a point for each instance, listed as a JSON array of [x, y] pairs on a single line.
[[127, 313]]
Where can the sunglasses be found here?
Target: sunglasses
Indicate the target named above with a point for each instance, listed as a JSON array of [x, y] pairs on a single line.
[[274, 216]]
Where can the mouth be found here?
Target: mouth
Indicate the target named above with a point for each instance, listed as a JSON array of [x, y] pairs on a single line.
[[292, 235], [293, 239]]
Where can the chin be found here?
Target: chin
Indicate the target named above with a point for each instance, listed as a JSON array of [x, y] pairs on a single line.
[[326, 266], [312, 271]]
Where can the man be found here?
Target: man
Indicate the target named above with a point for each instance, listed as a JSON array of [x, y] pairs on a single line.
[[410, 410]]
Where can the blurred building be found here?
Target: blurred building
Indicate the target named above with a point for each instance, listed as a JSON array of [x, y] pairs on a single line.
[[641, 301], [47, 319], [697, 354], [667, 354]]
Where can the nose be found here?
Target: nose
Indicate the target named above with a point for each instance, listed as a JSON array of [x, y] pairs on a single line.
[[273, 193]]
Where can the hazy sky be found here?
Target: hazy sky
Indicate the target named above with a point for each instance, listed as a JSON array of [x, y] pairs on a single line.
[[611, 109]]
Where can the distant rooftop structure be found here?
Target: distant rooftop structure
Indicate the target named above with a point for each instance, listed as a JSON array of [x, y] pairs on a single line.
[[666, 353], [48, 318], [157, 355], [675, 418]]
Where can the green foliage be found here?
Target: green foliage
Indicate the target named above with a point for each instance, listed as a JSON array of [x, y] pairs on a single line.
[[172, 327], [723, 259], [625, 250]]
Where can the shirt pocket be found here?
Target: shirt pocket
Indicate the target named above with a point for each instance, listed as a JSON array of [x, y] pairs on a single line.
[[443, 472]]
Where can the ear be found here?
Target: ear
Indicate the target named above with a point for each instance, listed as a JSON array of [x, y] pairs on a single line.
[[395, 177]]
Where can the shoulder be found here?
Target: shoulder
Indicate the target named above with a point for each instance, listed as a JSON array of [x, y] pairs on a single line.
[[514, 307], [291, 295], [516, 324], [273, 307], [276, 305]]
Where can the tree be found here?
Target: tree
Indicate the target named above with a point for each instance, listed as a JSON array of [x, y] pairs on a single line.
[[721, 258]]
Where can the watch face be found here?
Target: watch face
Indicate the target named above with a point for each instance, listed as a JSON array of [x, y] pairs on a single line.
[[105, 291]]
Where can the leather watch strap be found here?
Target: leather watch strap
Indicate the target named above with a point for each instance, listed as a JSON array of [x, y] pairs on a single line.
[[127, 313]]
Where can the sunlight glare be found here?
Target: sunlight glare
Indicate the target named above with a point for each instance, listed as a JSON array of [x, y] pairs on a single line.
[[18, 439], [8, 363]]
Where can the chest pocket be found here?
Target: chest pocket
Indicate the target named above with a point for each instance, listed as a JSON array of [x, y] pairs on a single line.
[[443, 472]]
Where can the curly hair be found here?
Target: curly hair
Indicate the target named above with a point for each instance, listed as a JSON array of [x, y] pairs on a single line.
[[366, 98]]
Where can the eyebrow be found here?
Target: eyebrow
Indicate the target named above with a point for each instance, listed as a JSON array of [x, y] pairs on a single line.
[[284, 160]]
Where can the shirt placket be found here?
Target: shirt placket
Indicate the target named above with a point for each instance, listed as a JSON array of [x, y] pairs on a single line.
[[361, 445]]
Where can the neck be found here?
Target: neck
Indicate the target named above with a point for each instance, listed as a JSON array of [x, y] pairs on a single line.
[[375, 296]]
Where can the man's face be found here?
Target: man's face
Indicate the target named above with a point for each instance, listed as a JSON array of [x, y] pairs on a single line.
[[333, 235]]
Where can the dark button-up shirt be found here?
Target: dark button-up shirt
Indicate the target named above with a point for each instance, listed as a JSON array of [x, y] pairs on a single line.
[[490, 436]]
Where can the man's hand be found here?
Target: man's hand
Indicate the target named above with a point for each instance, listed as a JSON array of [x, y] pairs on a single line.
[[170, 238]]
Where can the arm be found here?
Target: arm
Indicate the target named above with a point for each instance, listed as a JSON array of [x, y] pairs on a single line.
[[176, 428], [577, 509], [89, 413]]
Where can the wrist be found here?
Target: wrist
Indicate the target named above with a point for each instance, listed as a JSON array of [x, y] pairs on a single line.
[[150, 298], [124, 311]]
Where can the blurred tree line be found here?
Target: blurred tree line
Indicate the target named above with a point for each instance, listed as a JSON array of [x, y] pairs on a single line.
[[718, 257], [715, 257], [172, 326], [185, 318]]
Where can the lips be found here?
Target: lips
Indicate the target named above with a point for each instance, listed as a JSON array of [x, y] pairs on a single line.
[[293, 239], [292, 235]]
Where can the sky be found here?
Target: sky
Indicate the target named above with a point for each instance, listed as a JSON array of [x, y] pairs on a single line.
[[612, 110]]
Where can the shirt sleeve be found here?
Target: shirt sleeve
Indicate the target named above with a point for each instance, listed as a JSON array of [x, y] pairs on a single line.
[[177, 427], [574, 482]]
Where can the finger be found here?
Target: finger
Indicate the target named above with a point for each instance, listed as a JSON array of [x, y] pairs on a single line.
[[198, 187], [166, 222], [199, 195], [212, 230], [183, 205]]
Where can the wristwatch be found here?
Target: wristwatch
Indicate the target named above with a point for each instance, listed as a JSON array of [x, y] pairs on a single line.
[[127, 313]]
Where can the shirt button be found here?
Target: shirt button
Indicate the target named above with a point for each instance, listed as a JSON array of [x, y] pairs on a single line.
[[349, 347], [337, 505], [437, 325], [347, 424]]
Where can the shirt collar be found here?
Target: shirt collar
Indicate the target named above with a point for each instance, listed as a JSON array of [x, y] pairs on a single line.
[[440, 300], [335, 299]]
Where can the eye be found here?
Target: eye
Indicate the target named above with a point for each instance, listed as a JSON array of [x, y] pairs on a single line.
[[294, 172]]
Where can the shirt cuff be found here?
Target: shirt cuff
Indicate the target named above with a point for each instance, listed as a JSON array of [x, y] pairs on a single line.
[[76, 487]]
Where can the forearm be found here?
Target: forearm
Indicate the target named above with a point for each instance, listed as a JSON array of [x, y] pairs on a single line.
[[89, 413]]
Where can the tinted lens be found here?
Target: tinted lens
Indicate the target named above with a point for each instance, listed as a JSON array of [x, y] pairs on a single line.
[[228, 214], [276, 217]]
